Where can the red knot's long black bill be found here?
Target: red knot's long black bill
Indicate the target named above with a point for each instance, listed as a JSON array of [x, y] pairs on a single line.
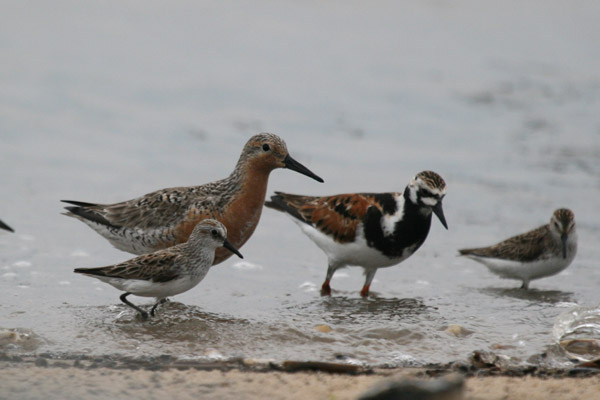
[[439, 212], [232, 249], [4, 226], [294, 165]]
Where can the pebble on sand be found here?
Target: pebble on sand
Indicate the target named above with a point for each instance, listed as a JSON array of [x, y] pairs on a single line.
[[323, 328], [457, 330]]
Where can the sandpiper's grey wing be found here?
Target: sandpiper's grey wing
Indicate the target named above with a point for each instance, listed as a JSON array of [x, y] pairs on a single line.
[[156, 267], [525, 247]]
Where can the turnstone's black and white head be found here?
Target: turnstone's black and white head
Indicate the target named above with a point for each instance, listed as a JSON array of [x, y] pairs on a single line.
[[427, 190]]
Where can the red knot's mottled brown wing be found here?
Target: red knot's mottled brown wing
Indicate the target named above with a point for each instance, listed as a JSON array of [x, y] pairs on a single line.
[[159, 209]]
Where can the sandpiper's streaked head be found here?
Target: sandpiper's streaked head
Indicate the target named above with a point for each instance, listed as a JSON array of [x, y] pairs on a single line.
[[427, 190], [212, 234], [562, 226], [268, 151]]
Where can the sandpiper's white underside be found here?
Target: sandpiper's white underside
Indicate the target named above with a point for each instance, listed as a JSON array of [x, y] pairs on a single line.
[[525, 271], [160, 290]]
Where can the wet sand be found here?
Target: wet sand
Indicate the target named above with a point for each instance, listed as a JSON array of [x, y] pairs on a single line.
[[31, 382], [56, 379]]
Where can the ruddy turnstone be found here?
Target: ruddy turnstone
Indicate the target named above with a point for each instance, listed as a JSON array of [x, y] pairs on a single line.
[[169, 271], [371, 230], [166, 217], [4, 226], [542, 252]]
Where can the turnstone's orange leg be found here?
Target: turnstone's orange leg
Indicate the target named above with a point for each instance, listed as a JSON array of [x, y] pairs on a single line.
[[326, 289], [369, 275], [365, 291]]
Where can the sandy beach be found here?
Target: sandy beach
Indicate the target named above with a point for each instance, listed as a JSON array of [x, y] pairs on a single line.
[[40, 378], [31, 382]]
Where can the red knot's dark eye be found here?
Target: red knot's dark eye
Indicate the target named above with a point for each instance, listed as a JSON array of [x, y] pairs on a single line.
[[266, 147]]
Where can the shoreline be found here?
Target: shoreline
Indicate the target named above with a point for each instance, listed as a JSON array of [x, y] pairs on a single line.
[[480, 364], [76, 377]]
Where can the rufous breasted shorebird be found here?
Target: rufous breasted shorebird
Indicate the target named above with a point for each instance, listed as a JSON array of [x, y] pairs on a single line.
[[166, 217]]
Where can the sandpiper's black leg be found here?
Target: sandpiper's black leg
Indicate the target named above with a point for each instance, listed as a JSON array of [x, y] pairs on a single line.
[[161, 301], [143, 313]]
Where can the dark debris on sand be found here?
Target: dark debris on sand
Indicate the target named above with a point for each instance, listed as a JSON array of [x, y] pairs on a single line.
[[480, 363]]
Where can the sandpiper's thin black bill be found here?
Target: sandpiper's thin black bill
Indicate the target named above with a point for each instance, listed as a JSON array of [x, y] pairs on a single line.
[[563, 239], [232, 249]]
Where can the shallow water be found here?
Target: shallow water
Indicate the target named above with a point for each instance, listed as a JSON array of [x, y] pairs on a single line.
[[106, 103]]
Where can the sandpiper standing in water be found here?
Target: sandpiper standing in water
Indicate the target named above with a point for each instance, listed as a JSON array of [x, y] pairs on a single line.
[[166, 217], [166, 272], [539, 253], [371, 230]]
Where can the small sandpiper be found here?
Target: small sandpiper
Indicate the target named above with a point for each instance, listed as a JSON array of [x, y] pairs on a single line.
[[166, 272], [4, 226], [371, 230], [539, 253], [166, 217]]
